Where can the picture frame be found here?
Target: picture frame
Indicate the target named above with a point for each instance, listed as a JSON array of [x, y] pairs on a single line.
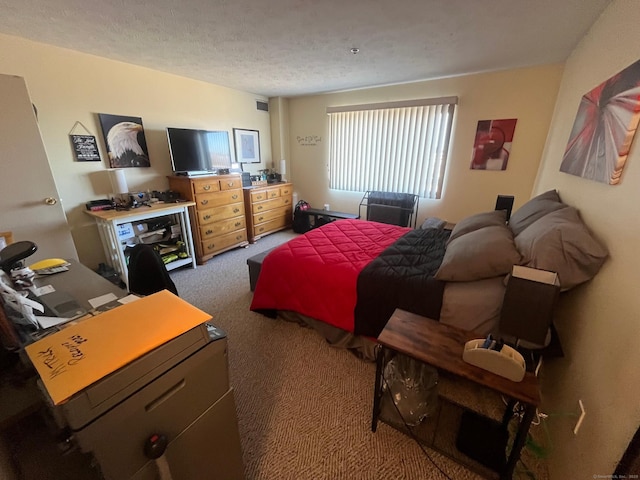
[[247, 145], [125, 140]]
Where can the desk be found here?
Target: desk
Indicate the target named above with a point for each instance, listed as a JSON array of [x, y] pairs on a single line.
[[112, 226], [441, 346]]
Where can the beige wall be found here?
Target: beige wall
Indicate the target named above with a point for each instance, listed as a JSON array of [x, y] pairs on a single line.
[[599, 321], [526, 94], [68, 86]]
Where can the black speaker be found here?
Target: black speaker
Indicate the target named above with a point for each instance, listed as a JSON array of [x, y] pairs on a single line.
[[505, 202]]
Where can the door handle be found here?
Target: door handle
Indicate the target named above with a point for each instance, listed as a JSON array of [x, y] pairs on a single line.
[[50, 201]]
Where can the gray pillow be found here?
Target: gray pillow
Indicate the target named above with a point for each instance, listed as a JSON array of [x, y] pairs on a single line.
[[562, 243], [478, 221], [534, 209], [484, 253]]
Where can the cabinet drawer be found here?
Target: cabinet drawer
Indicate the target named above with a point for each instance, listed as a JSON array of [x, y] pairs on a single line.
[[207, 185], [215, 244], [268, 205], [221, 213], [268, 226], [271, 214], [231, 183], [284, 191], [222, 227], [208, 200]]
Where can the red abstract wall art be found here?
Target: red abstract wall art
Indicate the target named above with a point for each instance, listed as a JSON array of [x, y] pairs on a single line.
[[604, 128]]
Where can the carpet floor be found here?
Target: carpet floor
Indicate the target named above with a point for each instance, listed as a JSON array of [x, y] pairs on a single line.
[[304, 408]]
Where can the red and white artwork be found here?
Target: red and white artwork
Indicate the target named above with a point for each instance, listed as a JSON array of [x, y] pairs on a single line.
[[604, 128], [492, 145]]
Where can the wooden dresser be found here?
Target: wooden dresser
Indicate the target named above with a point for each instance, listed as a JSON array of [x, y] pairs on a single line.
[[218, 218], [268, 209]]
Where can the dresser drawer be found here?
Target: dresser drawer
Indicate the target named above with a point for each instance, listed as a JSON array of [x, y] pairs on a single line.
[[268, 205], [207, 185], [209, 200], [284, 191], [221, 242], [222, 227], [231, 184], [269, 226], [271, 214], [220, 213]]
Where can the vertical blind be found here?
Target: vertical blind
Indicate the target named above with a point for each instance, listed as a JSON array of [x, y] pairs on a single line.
[[399, 147]]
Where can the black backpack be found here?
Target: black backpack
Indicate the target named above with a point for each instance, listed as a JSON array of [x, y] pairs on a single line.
[[301, 221], [147, 272]]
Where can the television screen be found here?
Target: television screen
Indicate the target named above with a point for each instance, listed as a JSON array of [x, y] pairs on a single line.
[[198, 151]]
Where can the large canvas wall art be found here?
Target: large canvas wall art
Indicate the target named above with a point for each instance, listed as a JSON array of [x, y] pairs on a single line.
[[604, 128], [125, 140]]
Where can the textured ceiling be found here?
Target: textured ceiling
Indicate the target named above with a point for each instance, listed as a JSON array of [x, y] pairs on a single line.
[[300, 47]]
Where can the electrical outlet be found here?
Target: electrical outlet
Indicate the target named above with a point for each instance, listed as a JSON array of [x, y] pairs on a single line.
[[580, 419]]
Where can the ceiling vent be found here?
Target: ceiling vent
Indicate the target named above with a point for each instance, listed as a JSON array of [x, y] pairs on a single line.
[[264, 106]]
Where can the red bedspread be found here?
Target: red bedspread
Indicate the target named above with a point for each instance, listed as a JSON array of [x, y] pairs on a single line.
[[316, 274]]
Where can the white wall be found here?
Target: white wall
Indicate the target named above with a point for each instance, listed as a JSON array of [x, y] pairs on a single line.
[[526, 94], [68, 86], [599, 323]]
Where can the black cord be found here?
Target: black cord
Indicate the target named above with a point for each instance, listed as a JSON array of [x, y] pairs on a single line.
[[409, 429]]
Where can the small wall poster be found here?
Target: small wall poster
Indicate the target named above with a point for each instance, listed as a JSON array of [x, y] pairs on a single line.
[[492, 145], [85, 148], [125, 141]]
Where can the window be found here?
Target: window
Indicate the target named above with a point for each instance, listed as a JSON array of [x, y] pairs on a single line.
[[395, 147]]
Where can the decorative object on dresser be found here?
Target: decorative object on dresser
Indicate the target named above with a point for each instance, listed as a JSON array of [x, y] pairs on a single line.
[[268, 209], [219, 221]]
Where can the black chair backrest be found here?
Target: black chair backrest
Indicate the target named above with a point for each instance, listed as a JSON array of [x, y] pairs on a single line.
[[147, 272]]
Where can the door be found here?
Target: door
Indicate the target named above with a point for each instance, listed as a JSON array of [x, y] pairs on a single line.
[[29, 203]]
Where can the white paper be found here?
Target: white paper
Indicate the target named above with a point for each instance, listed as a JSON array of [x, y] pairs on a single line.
[[48, 322], [102, 299], [129, 298], [39, 291]]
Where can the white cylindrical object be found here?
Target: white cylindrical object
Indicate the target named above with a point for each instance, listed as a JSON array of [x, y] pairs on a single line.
[[295, 198], [118, 181], [283, 167], [326, 207]]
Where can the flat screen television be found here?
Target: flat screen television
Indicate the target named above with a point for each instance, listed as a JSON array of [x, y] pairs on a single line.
[[198, 152]]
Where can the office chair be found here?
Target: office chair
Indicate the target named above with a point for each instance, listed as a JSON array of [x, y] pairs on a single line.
[[12, 255], [147, 272], [391, 208]]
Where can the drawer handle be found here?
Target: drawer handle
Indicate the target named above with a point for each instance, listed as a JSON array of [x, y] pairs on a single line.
[[286, 201], [274, 195], [259, 207], [238, 224], [204, 202], [234, 197], [206, 187], [259, 197], [208, 232], [260, 219], [261, 229], [207, 217], [236, 210], [211, 246], [230, 184], [238, 237]]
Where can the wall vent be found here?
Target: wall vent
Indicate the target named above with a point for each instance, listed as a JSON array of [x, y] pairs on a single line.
[[264, 106]]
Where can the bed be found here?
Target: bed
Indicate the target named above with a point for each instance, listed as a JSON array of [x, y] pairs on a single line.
[[345, 278]]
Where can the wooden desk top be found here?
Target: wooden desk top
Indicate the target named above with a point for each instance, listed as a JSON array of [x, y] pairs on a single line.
[[134, 212], [442, 345]]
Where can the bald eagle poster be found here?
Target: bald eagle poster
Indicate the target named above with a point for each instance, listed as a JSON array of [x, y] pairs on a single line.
[[124, 137]]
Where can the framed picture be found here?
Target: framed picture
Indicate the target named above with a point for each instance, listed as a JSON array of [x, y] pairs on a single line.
[[247, 143], [125, 141], [492, 145]]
